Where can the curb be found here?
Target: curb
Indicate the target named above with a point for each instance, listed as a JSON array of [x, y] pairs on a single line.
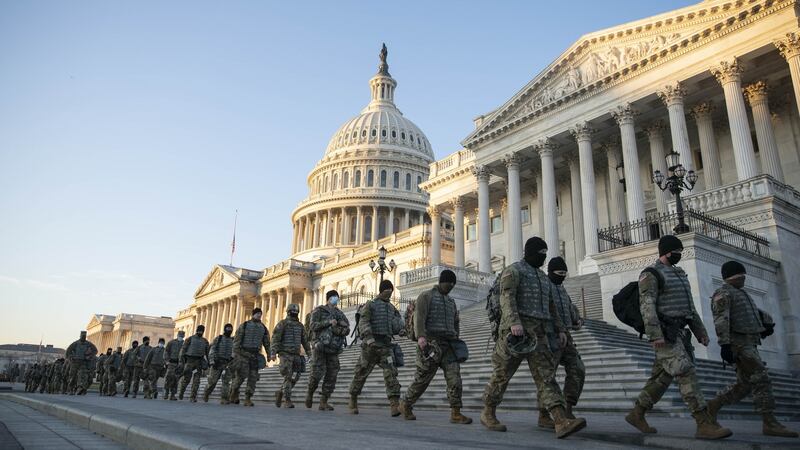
[[141, 432]]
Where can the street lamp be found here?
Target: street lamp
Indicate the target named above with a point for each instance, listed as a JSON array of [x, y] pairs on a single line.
[[621, 176], [381, 266], [678, 180]]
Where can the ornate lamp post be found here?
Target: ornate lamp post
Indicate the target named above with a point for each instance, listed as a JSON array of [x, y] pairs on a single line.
[[676, 182], [381, 266]]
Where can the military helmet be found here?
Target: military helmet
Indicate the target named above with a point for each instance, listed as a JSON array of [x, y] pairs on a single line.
[[293, 308], [520, 346]]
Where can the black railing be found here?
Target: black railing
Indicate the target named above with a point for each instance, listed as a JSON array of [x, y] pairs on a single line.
[[359, 298], [657, 225]]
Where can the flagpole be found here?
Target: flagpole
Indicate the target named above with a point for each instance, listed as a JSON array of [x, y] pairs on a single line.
[[233, 242]]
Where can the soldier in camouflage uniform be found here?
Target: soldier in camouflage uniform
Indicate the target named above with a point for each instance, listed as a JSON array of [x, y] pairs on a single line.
[[528, 308], [379, 322], [65, 380], [174, 367], [740, 327], [55, 379], [219, 357], [250, 337], [567, 356], [113, 365], [139, 374], [287, 338], [193, 355], [47, 372], [666, 311], [101, 374], [128, 364], [154, 367], [436, 324], [328, 335], [80, 353]]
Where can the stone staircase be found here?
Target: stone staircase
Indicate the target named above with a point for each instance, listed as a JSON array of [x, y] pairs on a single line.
[[584, 290], [617, 365]]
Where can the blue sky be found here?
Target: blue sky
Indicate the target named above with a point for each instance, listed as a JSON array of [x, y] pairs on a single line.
[[131, 131]]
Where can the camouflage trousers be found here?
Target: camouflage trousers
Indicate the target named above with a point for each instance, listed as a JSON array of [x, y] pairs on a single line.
[[243, 367], [426, 369], [372, 355], [111, 381], [289, 365], [152, 374], [220, 370], [192, 370], [542, 364], [139, 374], [674, 361], [574, 371], [325, 368], [79, 377], [174, 370], [751, 377], [127, 374]]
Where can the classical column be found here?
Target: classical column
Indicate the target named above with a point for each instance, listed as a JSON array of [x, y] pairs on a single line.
[[267, 315], [512, 161], [458, 231], [406, 218], [728, 73], [484, 234], [539, 203], [238, 318], [359, 225], [655, 134], [307, 303], [306, 232], [624, 115], [756, 95], [294, 237], [590, 222], [390, 223], [672, 96], [436, 235], [545, 148], [577, 207], [789, 47], [335, 230], [317, 229], [345, 227], [712, 174], [213, 323], [616, 194], [226, 315], [374, 234]]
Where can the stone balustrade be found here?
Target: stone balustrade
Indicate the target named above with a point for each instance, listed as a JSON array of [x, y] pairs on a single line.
[[451, 162], [739, 193], [432, 272]]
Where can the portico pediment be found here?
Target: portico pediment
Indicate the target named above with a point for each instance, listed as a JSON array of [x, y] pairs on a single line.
[[604, 58], [218, 277]]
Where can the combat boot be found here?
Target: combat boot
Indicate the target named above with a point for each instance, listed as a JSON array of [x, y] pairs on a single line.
[[172, 397], [287, 403], [713, 406], [353, 405], [205, 397], [310, 399], [407, 410], [772, 427], [708, 428], [564, 425], [223, 400], [489, 420], [637, 420], [569, 412], [278, 398], [457, 417], [323, 404], [247, 401], [193, 399], [394, 407], [545, 421], [126, 395]]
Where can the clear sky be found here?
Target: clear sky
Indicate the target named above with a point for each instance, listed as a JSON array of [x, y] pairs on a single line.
[[131, 131]]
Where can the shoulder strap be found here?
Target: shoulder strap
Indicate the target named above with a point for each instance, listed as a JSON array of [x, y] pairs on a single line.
[[656, 274]]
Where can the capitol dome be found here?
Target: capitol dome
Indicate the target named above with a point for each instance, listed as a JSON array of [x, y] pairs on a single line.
[[366, 186]]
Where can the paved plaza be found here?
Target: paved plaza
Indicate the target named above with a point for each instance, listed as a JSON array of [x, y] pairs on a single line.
[[141, 423]]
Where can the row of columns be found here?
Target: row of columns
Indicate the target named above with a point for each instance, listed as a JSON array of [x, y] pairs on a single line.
[[334, 226], [216, 314], [629, 204]]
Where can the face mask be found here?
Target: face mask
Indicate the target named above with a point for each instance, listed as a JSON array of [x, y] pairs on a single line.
[[108, 353], [199, 334], [556, 279], [135, 345], [293, 314], [257, 316], [180, 338], [228, 332], [445, 288], [536, 260], [674, 258], [737, 282], [334, 300], [161, 344]]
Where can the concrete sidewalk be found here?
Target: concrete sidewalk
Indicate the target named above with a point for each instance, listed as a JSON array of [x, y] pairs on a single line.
[[141, 423]]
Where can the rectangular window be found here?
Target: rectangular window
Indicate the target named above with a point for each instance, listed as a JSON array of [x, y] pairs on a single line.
[[525, 214], [472, 232], [497, 224]]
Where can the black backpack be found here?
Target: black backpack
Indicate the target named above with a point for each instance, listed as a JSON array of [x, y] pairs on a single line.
[[626, 303]]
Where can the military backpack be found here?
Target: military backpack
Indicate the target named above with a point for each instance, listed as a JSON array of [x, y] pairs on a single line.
[[626, 302]]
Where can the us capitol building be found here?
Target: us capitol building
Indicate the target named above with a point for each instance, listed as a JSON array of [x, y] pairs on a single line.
[[570, 157]]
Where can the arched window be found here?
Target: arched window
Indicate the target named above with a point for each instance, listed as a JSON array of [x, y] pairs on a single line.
[[346, 180], [383, 178], [381, 227], [394, 133], [383, 133], [370, 178], [367, 228], [353, 228], [363, 133], [335, 184], [327, 185], [357, 181], [396, 180], [374, 132], [403, 136], [408, 181], [419, 181]]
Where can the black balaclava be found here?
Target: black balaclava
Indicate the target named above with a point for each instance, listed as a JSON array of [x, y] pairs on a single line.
[[108, 351], [532, 248], [83, 336], [732, 268], [257, 313], [385, 285], [228, 330], [447, 277], [666, 245], [146, 340], [134, 344], [200, 330], [556, 264]]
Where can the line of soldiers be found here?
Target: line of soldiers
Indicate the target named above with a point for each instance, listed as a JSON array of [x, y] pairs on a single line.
[[533, 323], [68, 375]]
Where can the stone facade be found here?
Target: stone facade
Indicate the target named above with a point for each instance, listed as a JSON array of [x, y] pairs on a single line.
[[107, 331], [27, 354]]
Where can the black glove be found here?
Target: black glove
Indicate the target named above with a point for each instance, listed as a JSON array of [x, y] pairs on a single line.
[[726, 353], [769, 330]]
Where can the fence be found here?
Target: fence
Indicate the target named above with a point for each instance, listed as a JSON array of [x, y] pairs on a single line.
[[655, 226]]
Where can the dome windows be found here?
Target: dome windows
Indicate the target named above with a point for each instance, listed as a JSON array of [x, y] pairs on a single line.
[[396, 180], [346, 180], [357, 180], [408, 181], [363, 133], [419, 181], [370, 178], [383, 178], [394, 134], [383, 133], [374, 132], [335, 184], [403, 136]]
